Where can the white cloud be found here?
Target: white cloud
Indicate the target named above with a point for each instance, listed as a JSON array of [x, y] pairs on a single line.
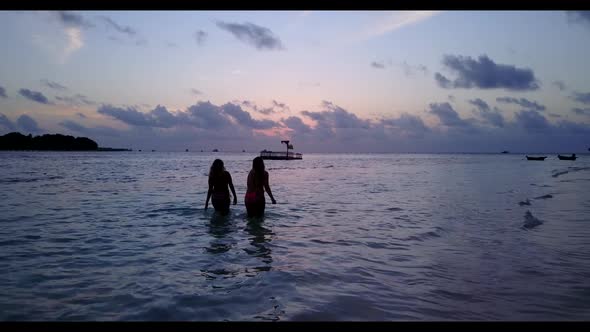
[[74, 42], [396, 20], [60, 44]]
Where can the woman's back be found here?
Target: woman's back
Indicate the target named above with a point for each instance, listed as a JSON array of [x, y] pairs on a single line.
[[256, 182], [220, 182]]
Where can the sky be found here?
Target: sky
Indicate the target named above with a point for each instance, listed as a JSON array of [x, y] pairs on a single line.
[[329, 81]]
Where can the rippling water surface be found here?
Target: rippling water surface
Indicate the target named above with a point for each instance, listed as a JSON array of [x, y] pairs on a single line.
[[124, 236]]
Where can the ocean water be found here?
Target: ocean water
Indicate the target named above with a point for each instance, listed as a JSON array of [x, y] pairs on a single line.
[[124, 236]]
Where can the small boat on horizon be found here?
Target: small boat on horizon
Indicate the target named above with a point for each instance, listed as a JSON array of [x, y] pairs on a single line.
[[505, 152], [572, 157], [535, 158]]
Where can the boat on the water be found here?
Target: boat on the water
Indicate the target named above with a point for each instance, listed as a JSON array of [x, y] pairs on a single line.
[[535, 158], [572, 157], [505, 152], [274, 155]]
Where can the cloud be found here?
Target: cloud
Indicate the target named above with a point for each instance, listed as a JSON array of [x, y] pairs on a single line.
[[53, 85], [76, 100], [3, 92], [336, 117], [480, 104], [245, 119], [207, 115], [447, 115], [72, 125], [127, 30], [72, 20], [276, 107], [378, 65], [279, 105], [580, 97], [493, 117], [196, 92], [396, 20], [6, 123], [560, 85], [442, 81], [554, 115], [451, 98], [410, 70], [260, 37], [332, 128], [579, 16], [249, 104], [522, 102], [296, 124], [171, 44], [27, 124], [159, 117], [90, 131], [200, 36], [74, 42], [581, 111], [532, 121], [203, 115], [407, 125], [484, 73], [81, 115], [34, 96]]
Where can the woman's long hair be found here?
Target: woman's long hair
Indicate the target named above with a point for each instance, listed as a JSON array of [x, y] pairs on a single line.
[[217, 169], [258, 168]]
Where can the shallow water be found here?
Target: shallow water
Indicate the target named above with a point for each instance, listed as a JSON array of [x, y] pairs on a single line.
[[123, 236]]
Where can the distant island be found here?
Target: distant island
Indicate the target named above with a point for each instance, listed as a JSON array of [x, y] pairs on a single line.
[[49, 142]]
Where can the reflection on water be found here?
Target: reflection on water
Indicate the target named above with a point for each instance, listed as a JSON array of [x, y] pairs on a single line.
[[260, 237]]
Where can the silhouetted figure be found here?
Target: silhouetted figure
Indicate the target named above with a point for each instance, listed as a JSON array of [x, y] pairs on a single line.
[[257, 184], [219, 180]]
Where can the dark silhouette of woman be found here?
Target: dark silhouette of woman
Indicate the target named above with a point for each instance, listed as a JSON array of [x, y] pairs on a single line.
[[257, 184], [219, 180]]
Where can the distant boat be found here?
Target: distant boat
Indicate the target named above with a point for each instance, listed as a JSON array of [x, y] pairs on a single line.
[[153, 150], [270, 155], [535, 158], [572, 157], [186, 150], [243, 150], [504, 152], [215, 150]]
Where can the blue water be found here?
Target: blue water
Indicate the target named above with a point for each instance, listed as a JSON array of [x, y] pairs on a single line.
[[124, 236]]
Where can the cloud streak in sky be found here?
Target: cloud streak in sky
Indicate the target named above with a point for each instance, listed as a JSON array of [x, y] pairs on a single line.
[[35, 96], [260, 37], [484, 73]]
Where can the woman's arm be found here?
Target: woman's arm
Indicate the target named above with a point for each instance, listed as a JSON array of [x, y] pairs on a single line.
[[267, 188], [231, 186], [209, 192]]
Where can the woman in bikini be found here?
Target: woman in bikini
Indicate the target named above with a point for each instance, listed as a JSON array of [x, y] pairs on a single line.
[[257, 184], [219, 180]]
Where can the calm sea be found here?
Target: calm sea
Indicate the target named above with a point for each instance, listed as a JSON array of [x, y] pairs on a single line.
[[124, 236]]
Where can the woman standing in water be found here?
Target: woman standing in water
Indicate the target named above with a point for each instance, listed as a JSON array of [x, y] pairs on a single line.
[[219, 180], [257, 184]]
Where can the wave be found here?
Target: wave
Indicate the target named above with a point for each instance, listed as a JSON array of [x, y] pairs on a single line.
[[569, 170]]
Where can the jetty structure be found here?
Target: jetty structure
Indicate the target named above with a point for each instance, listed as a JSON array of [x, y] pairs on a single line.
[[275, 155]]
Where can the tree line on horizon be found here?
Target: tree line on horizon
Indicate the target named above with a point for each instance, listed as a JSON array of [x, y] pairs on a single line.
[[46, 142]]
